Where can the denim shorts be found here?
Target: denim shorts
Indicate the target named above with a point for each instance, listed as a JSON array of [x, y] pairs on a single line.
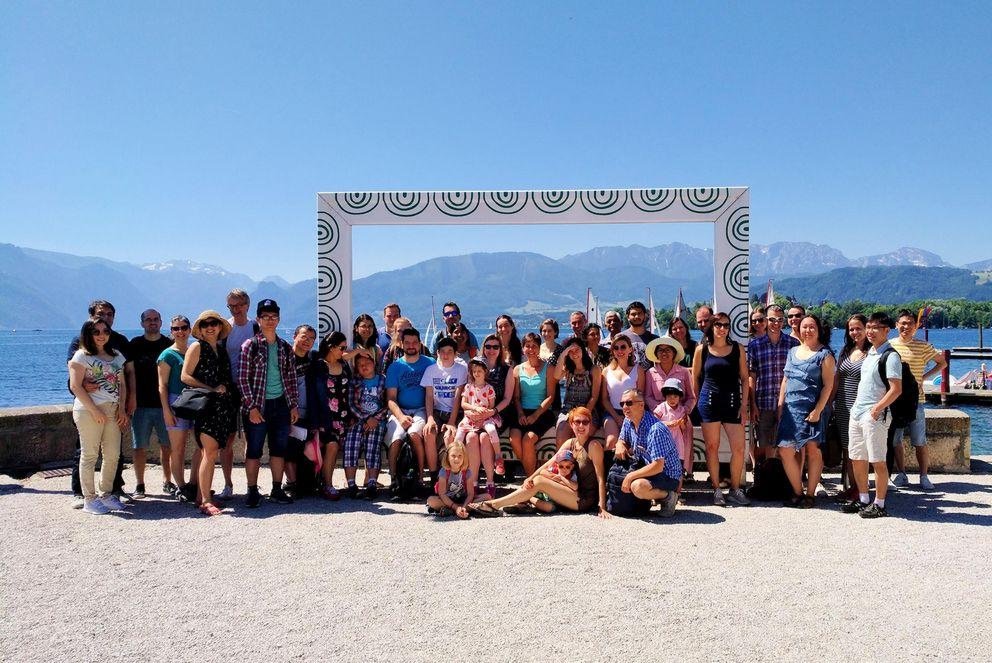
[[275, 428], [143, 422], [181, 424], [917, 430], [662, 482]]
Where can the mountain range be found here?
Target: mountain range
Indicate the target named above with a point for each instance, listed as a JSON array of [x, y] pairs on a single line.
[[45, 289]]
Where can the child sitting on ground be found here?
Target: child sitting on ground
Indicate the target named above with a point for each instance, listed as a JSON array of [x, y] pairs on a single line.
[[564, 471], [454, 488], [478, 396], [673, 414]]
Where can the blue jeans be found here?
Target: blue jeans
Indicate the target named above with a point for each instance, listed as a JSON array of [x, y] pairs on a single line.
[[275, 428], [917, 430]]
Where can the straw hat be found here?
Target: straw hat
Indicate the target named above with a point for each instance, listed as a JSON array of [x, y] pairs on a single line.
[[652, 350], [225, 326]]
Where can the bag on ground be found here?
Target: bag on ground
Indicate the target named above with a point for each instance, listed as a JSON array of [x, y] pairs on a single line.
[[771, 484], [618, 502], [407, 478]]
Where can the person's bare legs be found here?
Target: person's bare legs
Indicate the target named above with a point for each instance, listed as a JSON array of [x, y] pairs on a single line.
[[711, 436], [562, 433], [207, 462], [561, 495], [488, 457], [227, 459], [165, 458], [178, 462], [139, 458], [329, 463], [735, 433], [525, 449], [790, 464], [923, 460], [814, 467], [472, 446], [610, 433]]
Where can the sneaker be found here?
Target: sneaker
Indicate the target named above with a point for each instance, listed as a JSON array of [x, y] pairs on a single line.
[[394, 493], [668, 506], [853, 506], [737, 496], [351, 492], [279, 496], [900, 480], [139, 491], [227, 493], [95, 506], [331, 493], [78, 502], [123, 497], [169, 489], [254, 498], [290, 489], [112, 502], [188, 493], [444, 512], [873, 511], [372, 490], [718, 499], [925, 483]]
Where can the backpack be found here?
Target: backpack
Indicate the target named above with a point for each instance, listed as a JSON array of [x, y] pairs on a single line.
[[903, 409], [770, 482], [618, 502], [407, 478]]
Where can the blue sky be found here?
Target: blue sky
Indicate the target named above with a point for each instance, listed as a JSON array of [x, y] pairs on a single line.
[[150, 131]]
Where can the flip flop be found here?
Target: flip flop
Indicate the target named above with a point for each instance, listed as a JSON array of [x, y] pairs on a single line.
[[209, 509], [484, 510]]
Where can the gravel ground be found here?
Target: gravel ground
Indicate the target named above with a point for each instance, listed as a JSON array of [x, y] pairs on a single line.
[[359, 581]]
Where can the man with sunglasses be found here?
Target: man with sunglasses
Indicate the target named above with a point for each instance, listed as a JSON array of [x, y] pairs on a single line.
[[645, 438], [144, 405], [766, 357], [452, 316]]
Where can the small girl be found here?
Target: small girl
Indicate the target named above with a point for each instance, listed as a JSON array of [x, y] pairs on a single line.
[[454, 488], [672, 413], [564, 471], [477, 398], [368, 402]]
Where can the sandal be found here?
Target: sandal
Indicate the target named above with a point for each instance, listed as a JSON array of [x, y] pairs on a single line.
[[794, 502], [209, 509], [807, 502], [484, 510]]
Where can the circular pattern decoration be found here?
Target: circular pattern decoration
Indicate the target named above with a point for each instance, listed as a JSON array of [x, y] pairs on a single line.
[[553, 202], [456, 203], [736, 277], [328, 232], [356, 203], [406, 203], [505, 202], [604, 202], [739, 320], [739, 228], [703, 201], [329, 278], [654, 200], [328, 319]]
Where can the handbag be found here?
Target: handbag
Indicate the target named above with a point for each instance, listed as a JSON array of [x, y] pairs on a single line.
[[192, 402]]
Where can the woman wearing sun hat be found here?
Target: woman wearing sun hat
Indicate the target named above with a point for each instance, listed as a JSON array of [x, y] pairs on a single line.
[[667, 353], [208, 367]]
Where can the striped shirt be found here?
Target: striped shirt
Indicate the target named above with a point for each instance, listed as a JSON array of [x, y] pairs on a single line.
[[917, 354]]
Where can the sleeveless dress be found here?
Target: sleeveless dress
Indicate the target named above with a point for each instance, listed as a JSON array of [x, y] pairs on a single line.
[[496, 376], [720, 395], [588, 492], [578, 390], [219, 419], [616, 387], [848, 379], [803, 384]]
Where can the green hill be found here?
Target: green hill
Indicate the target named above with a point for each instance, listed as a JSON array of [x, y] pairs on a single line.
[[886, 285]]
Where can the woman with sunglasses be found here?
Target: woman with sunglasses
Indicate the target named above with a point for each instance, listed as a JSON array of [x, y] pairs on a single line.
[[719, 371], [500, 377], [759, 323], [621, 374], [170, 385], [98, 414], [588, 457], [207, 366]]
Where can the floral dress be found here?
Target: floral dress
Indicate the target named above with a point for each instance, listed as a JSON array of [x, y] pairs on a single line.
[[338, 413], [220, 418]]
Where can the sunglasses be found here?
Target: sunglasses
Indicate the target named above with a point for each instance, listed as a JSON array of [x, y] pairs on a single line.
[[180, 328], [621, 347], [210, 323], [795, 315], [101, 332], [581, 422], [342, 348], [490, 346], [721, 325], [451, 314], [629, 403], [757, 320], [778, 320]]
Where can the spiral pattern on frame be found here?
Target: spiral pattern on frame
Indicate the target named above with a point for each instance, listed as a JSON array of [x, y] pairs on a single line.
[[553, 202], [604, 201], [456, 203], [328, 233], [505, 202], [703, 201], [356, 203], [406, 203], [738, 228], [654, 200], [328, 319], [736, 277], [739, 320]]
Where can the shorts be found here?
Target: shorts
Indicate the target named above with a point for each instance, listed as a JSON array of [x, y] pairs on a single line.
[[144, 420], [719, 408], [868, 438], [275, 429], [917, 430], [181, 424], [766, 428], [441, 417], [395, 432], [541, 426], [661, 481]]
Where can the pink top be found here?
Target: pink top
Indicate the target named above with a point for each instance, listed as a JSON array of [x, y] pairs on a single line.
[[656, 379]]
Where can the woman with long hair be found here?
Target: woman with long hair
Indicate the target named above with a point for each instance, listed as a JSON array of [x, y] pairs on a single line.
[[464, 349], [333, 403], [170, 385], [506, 329], [501, 377], [365, 337], [582, 386], [678, 330], [720, 374], [621, 374], [845, 388], [759, 322], [592, 337]]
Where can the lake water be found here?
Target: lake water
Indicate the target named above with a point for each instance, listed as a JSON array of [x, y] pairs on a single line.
[[33, 371]]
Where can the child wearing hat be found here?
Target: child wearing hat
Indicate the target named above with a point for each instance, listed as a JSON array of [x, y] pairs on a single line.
[[673, 414]]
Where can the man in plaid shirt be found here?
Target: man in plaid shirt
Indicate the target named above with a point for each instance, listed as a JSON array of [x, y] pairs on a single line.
[[766, 357], [269, 397]]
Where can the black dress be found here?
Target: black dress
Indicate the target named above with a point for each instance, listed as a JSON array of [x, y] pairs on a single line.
[[219, 419]]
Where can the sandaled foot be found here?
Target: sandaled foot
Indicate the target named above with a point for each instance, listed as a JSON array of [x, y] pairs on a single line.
[[484, 510], [209, 509]]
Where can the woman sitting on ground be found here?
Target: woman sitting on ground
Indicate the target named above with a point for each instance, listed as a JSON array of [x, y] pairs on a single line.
[[678, 330], [582, 385], [588, 457]]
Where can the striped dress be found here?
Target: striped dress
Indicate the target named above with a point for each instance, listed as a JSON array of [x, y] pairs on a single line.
[[848, 377]]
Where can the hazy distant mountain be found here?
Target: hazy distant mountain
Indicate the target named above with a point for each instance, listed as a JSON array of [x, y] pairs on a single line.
[[790, 258], [903, 256], [980, 266], [886, 285]]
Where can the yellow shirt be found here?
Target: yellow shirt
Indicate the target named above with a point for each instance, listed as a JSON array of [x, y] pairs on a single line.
[[917, 354]]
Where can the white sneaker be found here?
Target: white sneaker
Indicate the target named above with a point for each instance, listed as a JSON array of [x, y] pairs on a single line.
[[925, 483], [718, 499], [78, 501], [900, 480], [95, 506], [112, 503], [737, 496], [227, 493]]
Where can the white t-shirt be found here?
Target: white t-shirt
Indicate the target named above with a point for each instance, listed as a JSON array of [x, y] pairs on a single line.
[[445, 382], [106, 374], [234, 341]]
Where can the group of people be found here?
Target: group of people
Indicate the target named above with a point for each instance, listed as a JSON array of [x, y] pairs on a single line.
[[612, 392]]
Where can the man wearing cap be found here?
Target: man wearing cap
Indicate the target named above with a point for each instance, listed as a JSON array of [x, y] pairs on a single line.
[[452, 316], [666, 353], [242, 329], [645, 438], [269, 398], [766, 357], [443, 382], [406, 400]]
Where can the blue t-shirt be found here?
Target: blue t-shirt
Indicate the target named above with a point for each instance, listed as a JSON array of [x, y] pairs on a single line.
[[405, 379]]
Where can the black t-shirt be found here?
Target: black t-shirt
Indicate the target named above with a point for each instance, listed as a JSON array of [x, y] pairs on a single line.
[[144, 355]]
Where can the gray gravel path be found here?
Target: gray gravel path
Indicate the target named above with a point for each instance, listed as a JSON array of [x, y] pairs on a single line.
[[354, 581]]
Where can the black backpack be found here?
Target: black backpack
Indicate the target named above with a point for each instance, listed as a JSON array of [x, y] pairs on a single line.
[[618, 502], [903, 409], [771, 484], [407, 477]]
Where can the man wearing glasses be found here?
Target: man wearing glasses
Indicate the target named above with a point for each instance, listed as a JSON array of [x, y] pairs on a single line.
[[645, 438], [242, 329], [452, 316], [766, 357], [269, 398]]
